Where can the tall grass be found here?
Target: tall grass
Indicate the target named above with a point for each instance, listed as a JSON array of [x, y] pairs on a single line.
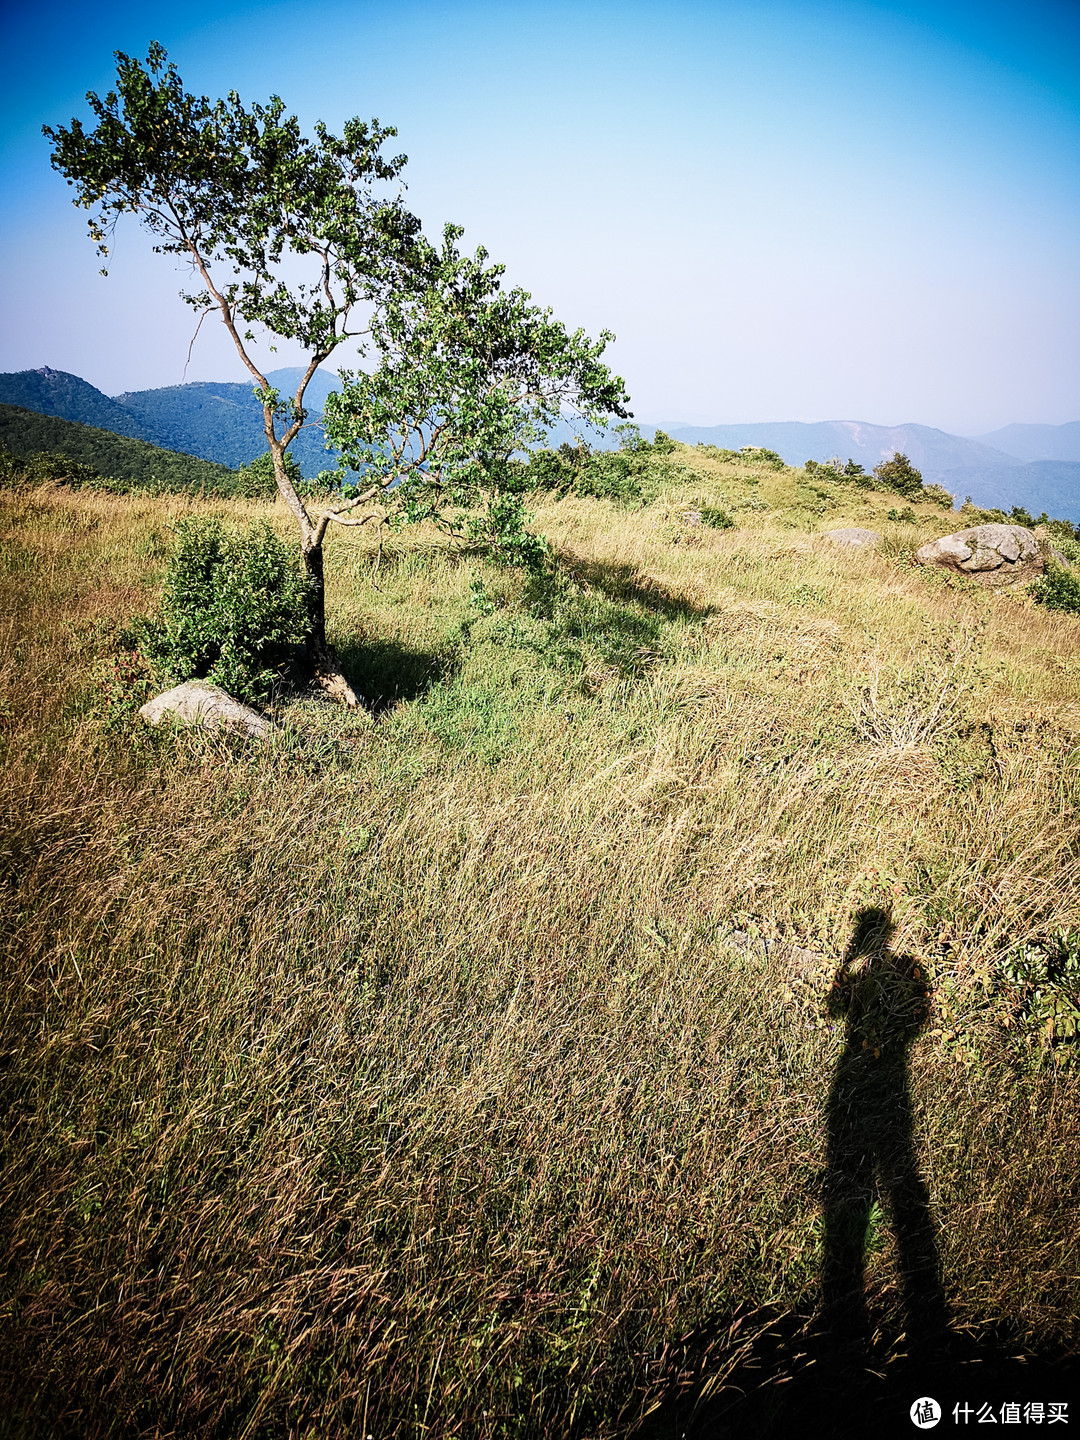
[[465, 1073]]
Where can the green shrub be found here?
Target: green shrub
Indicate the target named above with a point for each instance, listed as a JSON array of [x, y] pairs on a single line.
[[717, 452], [231, 606], [257, 479], [716, 518], [900, 475], [837, 469], [938, 495], [1058, 589], [40, 468], [633, 474], [758, 455]]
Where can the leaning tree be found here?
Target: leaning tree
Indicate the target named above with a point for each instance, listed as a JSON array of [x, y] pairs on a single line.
[[238, 192], [463, 373], [468, 373]]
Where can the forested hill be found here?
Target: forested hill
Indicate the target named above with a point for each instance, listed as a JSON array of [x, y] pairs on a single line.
[[134, 463], [55, 392], [215, 421], [222, 420]]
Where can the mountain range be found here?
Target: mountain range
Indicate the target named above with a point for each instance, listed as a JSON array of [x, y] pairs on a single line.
[[1036, 466]]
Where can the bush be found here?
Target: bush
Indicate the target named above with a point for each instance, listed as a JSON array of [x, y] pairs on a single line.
[[39, 469], [257, 479], [716, 518], [837, 469], [231, 605], [1058, 589], [633, 474], [758, 455], [938, 495], [900, 475]]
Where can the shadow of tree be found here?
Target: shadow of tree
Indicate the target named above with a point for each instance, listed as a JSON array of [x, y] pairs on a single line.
[[624, 583], [385, 672]]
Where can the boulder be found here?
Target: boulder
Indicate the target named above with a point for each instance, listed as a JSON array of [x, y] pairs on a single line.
[[852, 535], [197, 702], [991, 554]]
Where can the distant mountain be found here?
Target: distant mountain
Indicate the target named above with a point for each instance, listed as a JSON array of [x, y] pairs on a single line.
[[219, 422], [1037, 442], [934, 452], [1050, 485], [55, 392], [118, 457]]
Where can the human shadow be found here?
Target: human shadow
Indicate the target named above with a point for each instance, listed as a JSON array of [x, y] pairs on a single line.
[[840, 1366], [871, 1167]]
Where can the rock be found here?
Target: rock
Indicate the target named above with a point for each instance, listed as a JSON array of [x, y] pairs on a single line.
[[197, 702], [852, 535], [991, 554]]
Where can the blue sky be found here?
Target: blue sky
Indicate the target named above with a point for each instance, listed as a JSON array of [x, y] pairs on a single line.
[[798, 211]]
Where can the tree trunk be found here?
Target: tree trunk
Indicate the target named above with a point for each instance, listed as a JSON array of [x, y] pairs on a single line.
[[324, 661], [323, 656]]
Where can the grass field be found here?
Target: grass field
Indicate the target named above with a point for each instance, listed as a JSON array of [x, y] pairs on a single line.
[[473, 1070]]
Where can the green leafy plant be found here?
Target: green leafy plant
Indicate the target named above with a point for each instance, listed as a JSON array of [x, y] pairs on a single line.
[[240, 194], [1057, 589], [39, 469], [1042, 982], [231, 606], [938, 495], [469, 373], [900, 475], [716, 518], [758, 455], [258, 479]]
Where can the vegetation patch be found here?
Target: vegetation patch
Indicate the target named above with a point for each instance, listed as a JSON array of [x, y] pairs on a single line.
[[484, 1069]]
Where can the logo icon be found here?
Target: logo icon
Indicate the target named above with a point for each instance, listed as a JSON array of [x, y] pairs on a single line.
[[925, 1413]]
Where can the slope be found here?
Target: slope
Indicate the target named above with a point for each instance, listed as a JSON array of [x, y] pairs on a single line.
[[116, 457]]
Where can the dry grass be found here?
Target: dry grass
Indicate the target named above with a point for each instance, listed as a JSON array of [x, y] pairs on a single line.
[[407, 1079]]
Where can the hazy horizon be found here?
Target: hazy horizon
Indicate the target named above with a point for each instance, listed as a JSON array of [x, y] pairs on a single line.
[[797, 210]]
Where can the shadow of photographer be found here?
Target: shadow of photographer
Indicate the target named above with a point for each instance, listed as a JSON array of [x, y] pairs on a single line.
[[871, 1165]]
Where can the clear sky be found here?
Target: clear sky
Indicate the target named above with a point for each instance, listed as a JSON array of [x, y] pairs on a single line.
[[785, 209]]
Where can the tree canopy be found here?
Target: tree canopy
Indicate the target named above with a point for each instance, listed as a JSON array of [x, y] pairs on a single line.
[[468, 373], [463, 372]]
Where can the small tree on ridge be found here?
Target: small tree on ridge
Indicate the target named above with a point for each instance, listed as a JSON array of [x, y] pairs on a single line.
[[237, 191]]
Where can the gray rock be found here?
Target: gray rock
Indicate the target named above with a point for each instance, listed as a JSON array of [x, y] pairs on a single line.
[[993, 554], [852, 535], [197, 702]]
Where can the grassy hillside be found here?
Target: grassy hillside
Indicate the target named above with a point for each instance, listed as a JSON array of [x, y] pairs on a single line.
[[122, 463], [483, 1069]]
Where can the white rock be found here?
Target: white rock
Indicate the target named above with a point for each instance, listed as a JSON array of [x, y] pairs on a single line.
[[852, 535], [998, 554], [197, 702]]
